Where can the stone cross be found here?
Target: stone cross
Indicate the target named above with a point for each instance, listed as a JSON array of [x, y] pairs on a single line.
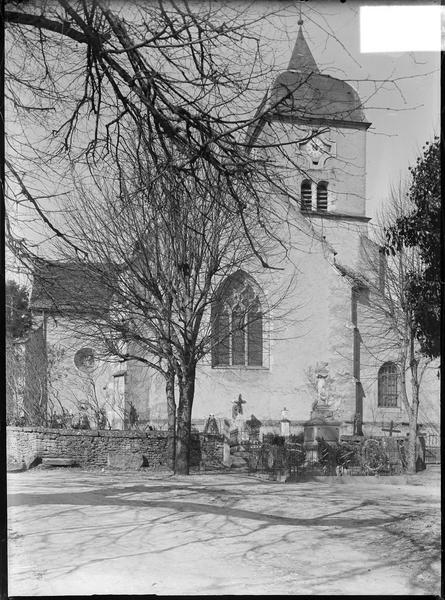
[[237, 408]]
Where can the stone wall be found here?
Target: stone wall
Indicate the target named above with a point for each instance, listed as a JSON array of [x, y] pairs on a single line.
[[206, 450], [128, 449]]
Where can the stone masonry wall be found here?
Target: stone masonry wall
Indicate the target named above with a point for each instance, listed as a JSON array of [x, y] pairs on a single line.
[[93, 448]]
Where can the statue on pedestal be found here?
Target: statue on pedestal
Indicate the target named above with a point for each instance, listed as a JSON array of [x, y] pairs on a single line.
[[284, 414], [322, 407], [322, 375], [285, 423], [321, 425]]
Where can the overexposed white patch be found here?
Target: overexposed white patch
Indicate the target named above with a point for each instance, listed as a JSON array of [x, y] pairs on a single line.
[[400, 28]]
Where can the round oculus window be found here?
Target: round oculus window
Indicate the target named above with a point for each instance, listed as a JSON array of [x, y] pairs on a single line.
[[84, 359]]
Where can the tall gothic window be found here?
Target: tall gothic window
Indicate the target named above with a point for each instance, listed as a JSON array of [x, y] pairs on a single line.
[[306, 195], [387, 385], [237, 319], [322, 196]]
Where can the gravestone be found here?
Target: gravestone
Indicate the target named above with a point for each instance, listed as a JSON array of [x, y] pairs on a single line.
[[211, 426], [253, 428], [238, 421], [226, 443]]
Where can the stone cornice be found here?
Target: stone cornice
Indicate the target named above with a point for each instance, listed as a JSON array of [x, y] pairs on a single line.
[[275, 116], [335, 216]]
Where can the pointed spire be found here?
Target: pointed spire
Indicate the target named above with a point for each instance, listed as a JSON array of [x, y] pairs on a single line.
[[302, 59]]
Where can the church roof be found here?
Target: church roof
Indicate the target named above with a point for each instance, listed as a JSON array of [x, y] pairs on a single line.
[[68, 287], [302, 91], [356, 277]]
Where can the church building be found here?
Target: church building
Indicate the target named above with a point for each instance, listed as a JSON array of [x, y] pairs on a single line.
[[316, 333]]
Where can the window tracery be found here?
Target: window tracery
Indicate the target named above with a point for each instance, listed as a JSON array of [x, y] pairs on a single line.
[[238, 324]]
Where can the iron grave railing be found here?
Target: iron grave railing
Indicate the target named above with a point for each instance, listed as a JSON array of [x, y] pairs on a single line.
[[360, 456]]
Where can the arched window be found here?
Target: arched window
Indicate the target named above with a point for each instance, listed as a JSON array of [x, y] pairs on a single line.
[[306, 195], [237, 323], [322, 196], [387, 385]]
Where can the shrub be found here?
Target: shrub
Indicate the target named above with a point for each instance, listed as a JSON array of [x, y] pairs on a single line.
[[348, 454], [274, 439], [297, 438], [374, 457]]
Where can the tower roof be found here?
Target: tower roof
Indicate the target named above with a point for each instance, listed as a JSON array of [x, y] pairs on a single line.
[[303, 92], [302, 59]]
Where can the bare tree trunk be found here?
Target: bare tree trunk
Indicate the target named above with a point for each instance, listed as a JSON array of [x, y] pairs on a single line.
[[412, 423], [414, 411], [183, 437], [414, 407], [171, 417], [412, 439]]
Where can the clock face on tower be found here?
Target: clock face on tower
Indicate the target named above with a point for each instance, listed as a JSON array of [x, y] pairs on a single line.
[[318, 149], [313, 148]]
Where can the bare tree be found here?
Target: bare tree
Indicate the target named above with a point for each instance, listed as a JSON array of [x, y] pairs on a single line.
[[388, 313], [15, 380], [90, 72], [81, 75], [162, 247]]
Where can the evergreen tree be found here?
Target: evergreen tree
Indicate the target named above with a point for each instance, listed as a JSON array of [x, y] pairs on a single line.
[[420, 228], [18, 314]]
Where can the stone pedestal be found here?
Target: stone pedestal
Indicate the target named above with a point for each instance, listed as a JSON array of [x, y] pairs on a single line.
[[226, 443], [285, 428], [239, 426], [322, 426]]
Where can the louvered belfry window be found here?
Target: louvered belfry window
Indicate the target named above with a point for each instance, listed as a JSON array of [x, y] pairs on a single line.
[[387, 385], [322, 196], [237, 324], [306, 195]]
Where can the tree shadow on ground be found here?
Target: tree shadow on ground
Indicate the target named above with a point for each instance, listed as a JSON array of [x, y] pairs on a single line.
[[421, 545], [340, 523], [109, 497]]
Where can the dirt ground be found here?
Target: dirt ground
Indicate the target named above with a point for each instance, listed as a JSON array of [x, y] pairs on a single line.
[[73, 531]]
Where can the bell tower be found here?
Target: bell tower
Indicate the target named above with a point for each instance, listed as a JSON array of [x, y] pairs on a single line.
[[320, 122]]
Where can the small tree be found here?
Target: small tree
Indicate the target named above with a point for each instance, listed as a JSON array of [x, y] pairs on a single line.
[[18, 314], [389, 313], [15, 380], [18, 324], [420, 228]]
